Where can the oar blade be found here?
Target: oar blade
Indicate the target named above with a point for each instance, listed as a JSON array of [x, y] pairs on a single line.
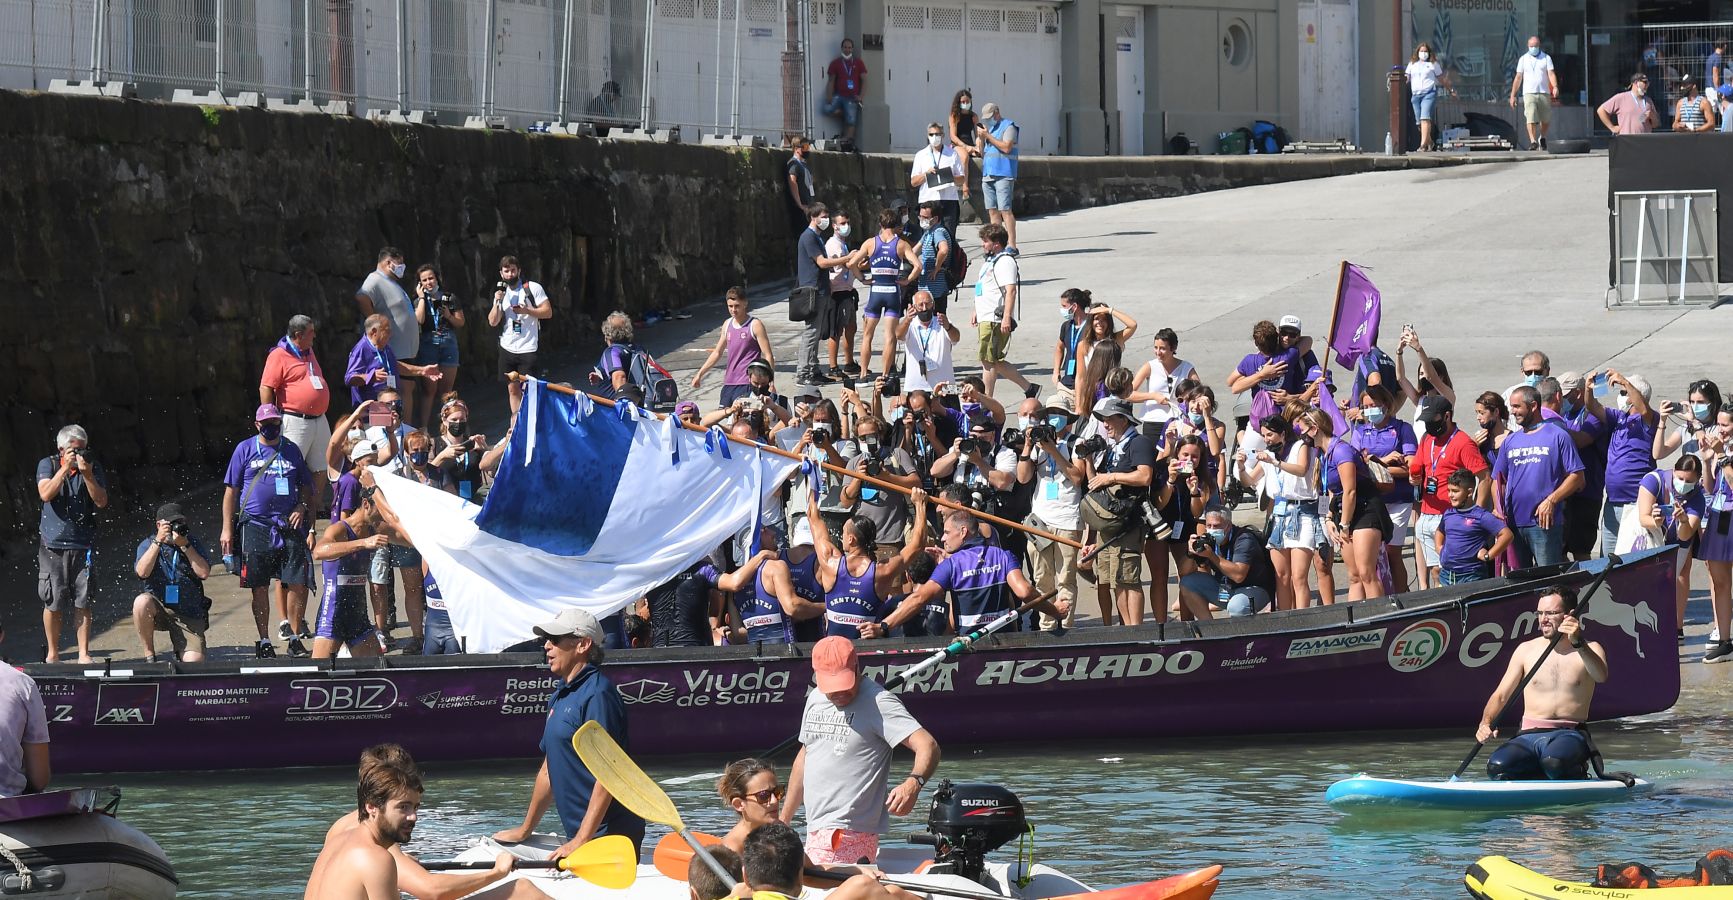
[[608, 861], [608, 761], [673, 856]]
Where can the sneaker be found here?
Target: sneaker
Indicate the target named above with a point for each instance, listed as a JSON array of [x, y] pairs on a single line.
[[817, 377], [836, 372], [852, 369], [306, 633], [1719, 653], [298, 650], [284, 632], [264, 650], [1715, 634], [1541, 145]]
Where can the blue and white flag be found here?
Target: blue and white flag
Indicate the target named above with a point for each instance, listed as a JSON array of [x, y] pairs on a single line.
[[592, 506]]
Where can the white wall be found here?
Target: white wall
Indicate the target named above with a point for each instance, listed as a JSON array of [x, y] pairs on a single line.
[[1006, 53]]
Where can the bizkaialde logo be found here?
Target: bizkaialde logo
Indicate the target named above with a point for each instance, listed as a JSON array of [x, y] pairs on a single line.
[[1419, 645], [1352, 642], [1245, 661]]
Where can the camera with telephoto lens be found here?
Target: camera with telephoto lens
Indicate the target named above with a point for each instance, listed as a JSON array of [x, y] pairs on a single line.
[[1090, 445], [1043, 434], [1200, 544], [969, 446], [1012, 438], [983, 499], [892, 387], [1155, 526]]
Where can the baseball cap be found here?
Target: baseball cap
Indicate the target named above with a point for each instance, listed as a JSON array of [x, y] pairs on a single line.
[[1726, 90], [1686, 78], [361, 449], [1570, 381], [834, 664], [1640, 77], [1433, 409], [761, 366], [170, 512], [267, 412], [1059, 403], [1112, 406], [1290, 322], [573, 621], [683, 407]]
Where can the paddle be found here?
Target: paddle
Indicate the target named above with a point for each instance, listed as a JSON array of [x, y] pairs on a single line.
[[949, 651], [1582, 600], [628, 784], [608, 861]]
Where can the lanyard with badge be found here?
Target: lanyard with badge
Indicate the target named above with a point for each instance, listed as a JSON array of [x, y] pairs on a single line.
[[390, 376], [171, 592], [1071, 353], [313, 379]]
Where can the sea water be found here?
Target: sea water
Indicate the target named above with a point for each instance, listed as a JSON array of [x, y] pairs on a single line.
[[1108, 813]]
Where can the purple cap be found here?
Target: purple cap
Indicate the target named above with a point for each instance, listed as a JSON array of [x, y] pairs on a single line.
[[684, 405], [267, 412]]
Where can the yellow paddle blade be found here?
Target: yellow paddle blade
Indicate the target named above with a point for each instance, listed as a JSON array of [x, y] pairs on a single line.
[[607, 861], [606, 760], [673, 856]]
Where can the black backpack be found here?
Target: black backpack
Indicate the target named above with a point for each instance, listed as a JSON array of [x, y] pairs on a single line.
[[660, 390]]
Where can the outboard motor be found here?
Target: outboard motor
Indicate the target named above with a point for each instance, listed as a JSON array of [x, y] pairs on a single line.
[[968, 821]]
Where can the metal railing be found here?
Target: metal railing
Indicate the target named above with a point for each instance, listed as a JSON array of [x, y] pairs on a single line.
[[734, 67], [1665, 53]]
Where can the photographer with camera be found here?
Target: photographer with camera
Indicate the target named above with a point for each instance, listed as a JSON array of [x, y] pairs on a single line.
[[438, 314], [887, 510], [518, 308], [72, 487], [821, 439], [1119, 466], [1046, 461], [1234, 571], [979, 464], [173, 568], [928, 338], [1184, 490], [466, 460]]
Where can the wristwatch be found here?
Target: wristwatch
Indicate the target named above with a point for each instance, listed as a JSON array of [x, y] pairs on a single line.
[[918, 779]]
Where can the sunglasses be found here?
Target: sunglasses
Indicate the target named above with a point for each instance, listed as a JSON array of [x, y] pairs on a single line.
[[1532, 372], [763, 798]]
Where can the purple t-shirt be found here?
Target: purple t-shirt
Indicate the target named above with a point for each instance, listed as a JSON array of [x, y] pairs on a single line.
[[1531, 465], [1466, 533], [1594, 456], [1659, 484], [363, 359], [1379, 441], [976, 577], [22, 720], [1629, 442], [1293, 380], [277, 491], [1339, 453], [346, 494]]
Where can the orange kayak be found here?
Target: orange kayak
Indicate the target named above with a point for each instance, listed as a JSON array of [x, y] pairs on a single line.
[[1198, 885]]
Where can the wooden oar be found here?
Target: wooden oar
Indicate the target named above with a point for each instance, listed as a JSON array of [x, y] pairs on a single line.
[[1582, 601], [947, 652], [608, 861], [628, 784]]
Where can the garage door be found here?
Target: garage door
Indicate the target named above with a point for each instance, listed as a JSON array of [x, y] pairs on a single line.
[[1008, 54]]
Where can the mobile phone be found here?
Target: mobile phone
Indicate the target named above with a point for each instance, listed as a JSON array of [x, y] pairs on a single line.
[[1600, 385], [379, 415]]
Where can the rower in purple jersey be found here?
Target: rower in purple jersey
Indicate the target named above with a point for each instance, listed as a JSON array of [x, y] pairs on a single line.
[[744, 340], [981, 579], [801, 563], [857, 587], [345, 553]]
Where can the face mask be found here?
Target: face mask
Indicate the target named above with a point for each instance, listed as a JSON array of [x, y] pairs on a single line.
[[1436, 429], [1532, 381], [848, 54], [965, 105], [1216, 534], [457, 427], [926, 224], [1425, 56], [1023, 423], [356, 434], [934, 140], [1683, 487], [1624, 402], [270, 430], [1373, 415], [1701, 411], [1534, 52], [824, 223], [418, 458], [1196, 418], [1057, 422], [397, 270], [925, 315], [896, 414], [842, 231]]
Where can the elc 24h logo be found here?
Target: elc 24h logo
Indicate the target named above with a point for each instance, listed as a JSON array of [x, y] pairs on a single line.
[[1419, 645]]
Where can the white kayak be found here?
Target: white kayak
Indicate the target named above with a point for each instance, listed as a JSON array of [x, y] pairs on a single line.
[[1364, 792], [67, 844], [1045, 881]]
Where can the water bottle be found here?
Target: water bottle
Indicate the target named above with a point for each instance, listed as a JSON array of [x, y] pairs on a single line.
[[233, 562], [1389, 145]]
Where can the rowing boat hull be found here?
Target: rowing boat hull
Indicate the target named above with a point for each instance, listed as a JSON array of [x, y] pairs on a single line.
[[1425, 660]]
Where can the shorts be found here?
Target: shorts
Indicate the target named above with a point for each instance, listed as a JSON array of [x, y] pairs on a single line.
[[184, 632], [841, 847], [1370, 514], [311, 435], [1423, 103], [883, 303], [996, 192], [1582, 523], [391, 556], [260, 563], [1558, 753], [63, 577], [438, 348], [1295, 526], [437, 638], [1240, 601], [522, 363], [1449, 578], [1423, 537], [993, 343], [848, 108], [1399, 515], [1537, 108], [1120, 562], [733, 392], [845, 305], [343, 614]]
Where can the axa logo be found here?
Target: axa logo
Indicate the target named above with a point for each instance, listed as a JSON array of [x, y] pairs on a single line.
[[126, 704], [342, 696]]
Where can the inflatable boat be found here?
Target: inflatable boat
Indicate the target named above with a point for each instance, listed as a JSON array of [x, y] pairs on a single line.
[[68, 844]]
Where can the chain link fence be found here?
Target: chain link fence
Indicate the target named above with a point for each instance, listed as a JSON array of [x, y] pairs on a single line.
[[1665, 53], [700, 66]]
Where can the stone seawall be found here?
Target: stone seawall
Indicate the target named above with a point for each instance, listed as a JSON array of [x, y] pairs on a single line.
[[152, 252]]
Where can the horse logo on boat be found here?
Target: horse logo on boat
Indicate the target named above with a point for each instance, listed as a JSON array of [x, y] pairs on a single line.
[[646, 690], [1601, 607]]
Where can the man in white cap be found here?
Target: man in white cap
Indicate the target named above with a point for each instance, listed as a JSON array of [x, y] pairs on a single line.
[[1630, 446], [1126, 469], [1046, 460], [848, 731], [573, 644]]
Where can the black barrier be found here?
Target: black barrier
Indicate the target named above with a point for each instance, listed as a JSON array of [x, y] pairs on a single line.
[[1674, 162]]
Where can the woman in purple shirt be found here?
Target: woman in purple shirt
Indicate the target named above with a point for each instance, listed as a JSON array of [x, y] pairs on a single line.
[[1672, 503], [1271, 373], [1357, 521], [1391, 441]]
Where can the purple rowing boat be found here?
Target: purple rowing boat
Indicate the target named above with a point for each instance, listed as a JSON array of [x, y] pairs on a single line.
[[1422, 660]]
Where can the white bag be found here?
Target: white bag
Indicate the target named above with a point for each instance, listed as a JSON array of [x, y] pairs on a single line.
[[1634, 536]]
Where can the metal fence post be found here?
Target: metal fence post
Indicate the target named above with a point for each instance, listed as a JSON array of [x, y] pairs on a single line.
[[487, 59], [402, 58], [716, 113], [566, 61], [220, 73], [734, 75], [96, 18], [649, 62], [307, 47]]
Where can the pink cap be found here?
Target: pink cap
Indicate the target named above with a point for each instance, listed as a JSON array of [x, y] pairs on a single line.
[[267, 412], [834, 664]]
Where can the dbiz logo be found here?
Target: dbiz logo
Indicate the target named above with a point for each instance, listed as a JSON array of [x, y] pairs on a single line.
[[1419, 645], [342, 697]]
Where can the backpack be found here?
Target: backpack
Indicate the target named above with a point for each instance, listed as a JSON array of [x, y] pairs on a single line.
[[1268, 137], [956, 266], [657, 383]]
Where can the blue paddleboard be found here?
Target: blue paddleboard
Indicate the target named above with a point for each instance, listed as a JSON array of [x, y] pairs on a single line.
[[1365, 792]]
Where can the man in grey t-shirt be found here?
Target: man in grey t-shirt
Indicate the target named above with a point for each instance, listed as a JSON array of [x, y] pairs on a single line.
[[848, 732], [381, 294], [23, 733]]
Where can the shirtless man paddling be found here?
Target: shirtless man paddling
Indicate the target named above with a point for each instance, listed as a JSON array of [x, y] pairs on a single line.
[[1554, 704], [359, 865]]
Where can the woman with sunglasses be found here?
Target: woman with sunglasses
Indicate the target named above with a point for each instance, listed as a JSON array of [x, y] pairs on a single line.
[[749, 787]]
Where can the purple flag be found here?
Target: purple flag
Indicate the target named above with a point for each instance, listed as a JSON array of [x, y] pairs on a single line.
[[1354, 326], [1327, 402]]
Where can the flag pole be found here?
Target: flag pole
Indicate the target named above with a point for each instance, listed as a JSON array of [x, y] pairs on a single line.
[[828, 467], [1335, 314]]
